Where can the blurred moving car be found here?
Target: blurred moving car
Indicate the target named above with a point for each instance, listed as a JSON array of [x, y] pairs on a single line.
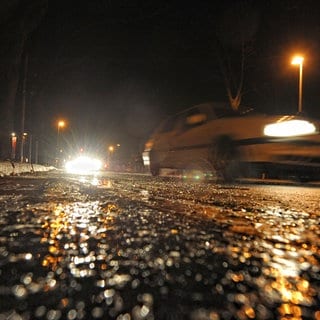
[[215, 137]]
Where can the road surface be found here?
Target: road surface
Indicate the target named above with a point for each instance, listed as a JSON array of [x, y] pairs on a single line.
[[137, 247]]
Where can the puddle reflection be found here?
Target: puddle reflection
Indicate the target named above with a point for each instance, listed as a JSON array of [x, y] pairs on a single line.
[[96, 181], [73, 234]]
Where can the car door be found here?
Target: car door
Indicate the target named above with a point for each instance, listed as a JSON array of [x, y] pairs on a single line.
[[190, 143], [162, 141]]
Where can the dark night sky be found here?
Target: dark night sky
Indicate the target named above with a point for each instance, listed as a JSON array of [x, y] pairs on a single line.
[[113, 69]]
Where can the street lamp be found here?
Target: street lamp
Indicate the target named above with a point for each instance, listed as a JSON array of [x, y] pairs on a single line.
[[298, 60], [61, 125], [112, 149], [23, 141], [13, 145]]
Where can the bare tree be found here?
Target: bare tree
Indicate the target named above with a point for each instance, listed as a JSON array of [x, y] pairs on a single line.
[[234, 45]]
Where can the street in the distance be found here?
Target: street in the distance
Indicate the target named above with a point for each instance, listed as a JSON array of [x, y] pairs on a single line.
[[121, 246]]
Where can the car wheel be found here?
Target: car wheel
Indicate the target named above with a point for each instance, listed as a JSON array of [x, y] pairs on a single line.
[[154, 170], [225, 158]]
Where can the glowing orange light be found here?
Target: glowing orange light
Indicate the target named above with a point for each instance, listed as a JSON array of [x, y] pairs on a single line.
[[297, 60], [61, 124]]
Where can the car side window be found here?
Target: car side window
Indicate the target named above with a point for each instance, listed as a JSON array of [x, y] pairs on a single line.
[[193, 118], [196, 120]]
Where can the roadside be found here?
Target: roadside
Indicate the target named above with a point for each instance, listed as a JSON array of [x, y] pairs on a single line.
[[8, 168]]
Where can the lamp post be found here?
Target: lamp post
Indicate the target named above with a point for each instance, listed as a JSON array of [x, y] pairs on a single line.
[[111, 153], [13, 146], [23, 141], [298, 60], [61, 125]]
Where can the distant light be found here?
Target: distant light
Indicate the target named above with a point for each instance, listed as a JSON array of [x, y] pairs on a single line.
[[61, 124], [83, 165], [289, 128]]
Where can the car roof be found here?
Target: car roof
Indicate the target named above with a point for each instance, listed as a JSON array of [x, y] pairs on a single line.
[[215, 109], [222, 106]]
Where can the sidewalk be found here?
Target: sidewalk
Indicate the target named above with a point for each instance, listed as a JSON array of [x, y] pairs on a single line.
[[8, 168]]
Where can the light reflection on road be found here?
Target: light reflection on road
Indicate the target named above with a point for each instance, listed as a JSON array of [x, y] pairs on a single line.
[[118, 250], [70, 231]]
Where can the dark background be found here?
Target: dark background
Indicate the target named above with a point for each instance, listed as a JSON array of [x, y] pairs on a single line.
[[114, 68]]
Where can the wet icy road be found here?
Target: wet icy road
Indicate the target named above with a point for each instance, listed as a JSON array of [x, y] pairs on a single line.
[[135, 247]]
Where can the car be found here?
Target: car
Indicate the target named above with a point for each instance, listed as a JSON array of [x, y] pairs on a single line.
[[212, 136]]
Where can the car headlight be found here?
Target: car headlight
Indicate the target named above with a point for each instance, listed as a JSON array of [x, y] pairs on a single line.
[[289, 128], [83, 165]]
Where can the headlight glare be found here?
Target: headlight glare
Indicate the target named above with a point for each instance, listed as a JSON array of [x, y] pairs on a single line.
[[83, 165], [289, 128]]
